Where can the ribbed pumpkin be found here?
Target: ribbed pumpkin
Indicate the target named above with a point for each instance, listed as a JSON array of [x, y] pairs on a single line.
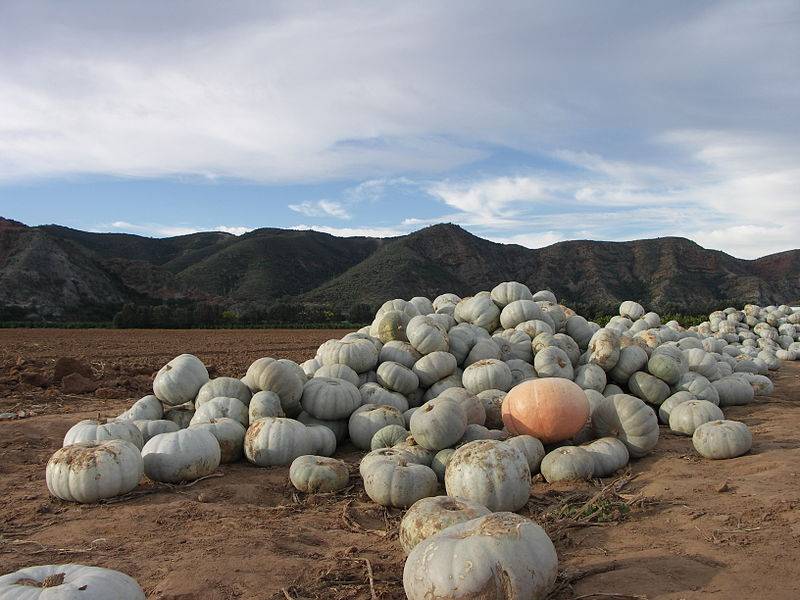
[[550, 409]]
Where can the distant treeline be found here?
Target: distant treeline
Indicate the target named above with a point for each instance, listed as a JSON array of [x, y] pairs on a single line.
[[182, 314]]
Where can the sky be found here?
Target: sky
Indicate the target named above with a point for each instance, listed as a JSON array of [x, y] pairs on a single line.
[[529, 124]]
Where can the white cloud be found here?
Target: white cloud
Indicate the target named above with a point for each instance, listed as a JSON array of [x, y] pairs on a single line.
[[531, 240], [321, 208], [160, 230], [355, 231]]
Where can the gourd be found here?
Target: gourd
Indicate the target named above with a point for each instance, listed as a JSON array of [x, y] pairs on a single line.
[[667, 363], [422, 304], [373, 393], [629, 419], [492, 401], [514, 344], [368, 419], [535, 327], [445, 299], [552, 361], [438, 424], [649, 388], [264, 404], [474, 432], [497, 556], [520, 371], [323, 440], [531, 448], [284, 380], [218, 408], [604, 349], [180, 379], [318, 474], [434, 366], [451, 381], [632, 310], [482, 350], [490, 374], [329, 398], [399, 352], [148, 408], [722, 439], [567, 463], [733, 391], [666, 407], [590, 377], [551, 410], [507, 292], [383, 454], [426, 335], [184, 455], [688, 416], [359, 354], [225, 387], [698, 386], [396, 377], [338, 372], [398, 483], [440, 461], [545, 296], [151, 428], [89, 430], [478, 310], [391, 326], [253, 373], [518, 312], [67, 582], [609, 455], [276, 441], [491, 473], [631, 359], [388, 436], [310, 367], [473, 407], [428, 516], [579, 330], [180, 415], [229, 434], [700, 361], [339, 428], [415, 452], [90, 471]]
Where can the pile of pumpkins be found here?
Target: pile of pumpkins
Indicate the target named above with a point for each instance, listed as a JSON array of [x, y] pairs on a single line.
[[476, 393]]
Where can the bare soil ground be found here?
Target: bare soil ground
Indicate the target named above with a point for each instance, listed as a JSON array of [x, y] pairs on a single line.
[[675, 526]]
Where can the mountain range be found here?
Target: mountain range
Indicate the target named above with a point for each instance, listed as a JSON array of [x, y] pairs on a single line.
[[54, 272]]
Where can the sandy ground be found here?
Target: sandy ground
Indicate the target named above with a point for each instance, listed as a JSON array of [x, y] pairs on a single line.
[[674, 526]]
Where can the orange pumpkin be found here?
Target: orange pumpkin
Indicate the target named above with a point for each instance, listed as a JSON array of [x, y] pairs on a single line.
[[551, 409]]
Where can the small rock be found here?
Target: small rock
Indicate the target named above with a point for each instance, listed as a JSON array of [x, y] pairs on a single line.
[[7, 416], [66, 366], [723, 487], [34, 378], [75, 383]]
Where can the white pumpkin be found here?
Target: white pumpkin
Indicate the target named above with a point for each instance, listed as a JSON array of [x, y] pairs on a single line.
[[567, 463], [609, 455], [90, 471], [507, 292], [338, 372], [397, 378], [491, 473], [520, 371], [374, 393], [89, 430], [629, 419], [648, 387], [254, 371], [180, 415], [318, 474], [497, 556], [665, 408], [604, 349], [429, 516], [388, 436], [688, 416], [399, 352], [514, 344], [518, 312], [590, 377], [276, 441], [438, 424], [478, 310], [264, 404], [722, 439], [492, 401], [473, 407], [368, 419], [552, 361], [433, 367], [285, 379], [398, 483], [338, 428], [490, 374], [68, 582], [359, 354], [184, 455], [329, 398], [631, 359], [427, 335], [152, 428], [229, 434], [323, 440], [733, 391], [148, 408], [440, 461], [180, 379], [632, 310], [225, 387], [218, 408], [531, 448]]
